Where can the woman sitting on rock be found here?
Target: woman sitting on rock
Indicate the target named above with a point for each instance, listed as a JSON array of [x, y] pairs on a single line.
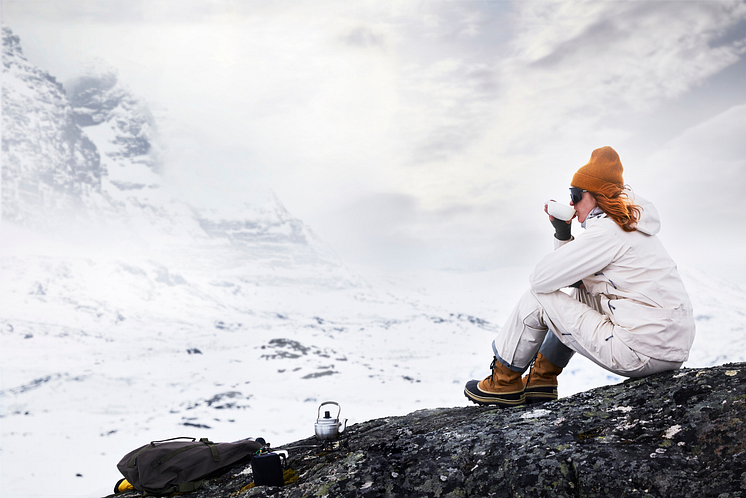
[[627, 311]]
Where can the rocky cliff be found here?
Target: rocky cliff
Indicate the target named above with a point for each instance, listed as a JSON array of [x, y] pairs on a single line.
[[50, 167], [676, 434]]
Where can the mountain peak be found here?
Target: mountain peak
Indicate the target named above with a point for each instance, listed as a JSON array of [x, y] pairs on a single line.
[[11, 44], [49, 165]]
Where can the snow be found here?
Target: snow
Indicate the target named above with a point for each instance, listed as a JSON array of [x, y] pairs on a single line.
[[103, 353]]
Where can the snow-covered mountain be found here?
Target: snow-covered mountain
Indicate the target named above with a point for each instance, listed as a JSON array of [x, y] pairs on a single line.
[[97, 98], [50, 167], [88, 159], [158, 318]]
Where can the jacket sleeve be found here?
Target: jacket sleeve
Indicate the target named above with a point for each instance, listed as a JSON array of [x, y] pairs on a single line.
[[587, 254]]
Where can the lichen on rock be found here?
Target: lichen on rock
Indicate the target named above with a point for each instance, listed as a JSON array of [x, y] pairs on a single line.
[[675, 434]]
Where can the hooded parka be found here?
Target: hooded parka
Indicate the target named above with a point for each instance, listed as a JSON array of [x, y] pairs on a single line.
[[636, 281], [633, 308]]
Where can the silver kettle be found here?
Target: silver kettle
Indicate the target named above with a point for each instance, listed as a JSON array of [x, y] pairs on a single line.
[[326, 427]]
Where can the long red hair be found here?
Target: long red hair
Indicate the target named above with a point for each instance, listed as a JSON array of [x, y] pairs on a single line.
[[618, 206]]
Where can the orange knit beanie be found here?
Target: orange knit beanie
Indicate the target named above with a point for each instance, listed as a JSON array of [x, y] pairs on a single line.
[[604, 168]]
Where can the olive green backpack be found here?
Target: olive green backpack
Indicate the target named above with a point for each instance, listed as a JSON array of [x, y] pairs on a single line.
[[178, 466]]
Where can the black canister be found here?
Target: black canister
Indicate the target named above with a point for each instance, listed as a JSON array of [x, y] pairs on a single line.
[[267, 469]]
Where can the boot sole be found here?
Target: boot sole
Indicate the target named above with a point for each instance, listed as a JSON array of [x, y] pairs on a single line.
[[541, 394], [503, 400]]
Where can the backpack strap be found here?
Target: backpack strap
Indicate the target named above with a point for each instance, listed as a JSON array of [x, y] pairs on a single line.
[[168, 457], [184, 487], [134, 457], [205, 441], [213, 449], [152, 445], [188, 487]]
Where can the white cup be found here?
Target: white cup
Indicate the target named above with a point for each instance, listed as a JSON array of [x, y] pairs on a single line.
[[560, 211]]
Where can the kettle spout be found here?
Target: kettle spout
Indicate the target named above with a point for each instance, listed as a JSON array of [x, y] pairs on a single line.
[[342, 426]]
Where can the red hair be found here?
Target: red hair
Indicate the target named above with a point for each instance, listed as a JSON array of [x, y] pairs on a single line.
[[618, 206]]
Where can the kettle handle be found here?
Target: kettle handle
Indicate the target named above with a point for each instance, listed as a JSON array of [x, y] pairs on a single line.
[[339, 408]]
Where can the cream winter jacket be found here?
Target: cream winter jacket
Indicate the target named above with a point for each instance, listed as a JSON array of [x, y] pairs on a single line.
[[634, 278]]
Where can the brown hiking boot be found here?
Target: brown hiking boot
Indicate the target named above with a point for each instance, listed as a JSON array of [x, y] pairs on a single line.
[[503, 388], [541, 381]]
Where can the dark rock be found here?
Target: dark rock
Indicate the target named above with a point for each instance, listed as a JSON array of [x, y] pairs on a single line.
[[676, 434]]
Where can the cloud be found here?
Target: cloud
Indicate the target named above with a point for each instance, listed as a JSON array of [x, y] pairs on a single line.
[[362, 36], [419, 131], [448, 105], [117, 12], [708, 157], [586, 61], [700, 177]]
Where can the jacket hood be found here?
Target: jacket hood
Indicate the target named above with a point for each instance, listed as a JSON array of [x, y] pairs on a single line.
[[650, 222]]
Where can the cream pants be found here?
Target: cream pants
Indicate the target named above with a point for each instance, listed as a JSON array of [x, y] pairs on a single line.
[[577, 321]]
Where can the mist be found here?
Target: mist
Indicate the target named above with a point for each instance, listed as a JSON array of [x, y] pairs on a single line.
[[429, 134]]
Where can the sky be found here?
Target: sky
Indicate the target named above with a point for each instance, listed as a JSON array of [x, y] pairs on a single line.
[[429, 134]]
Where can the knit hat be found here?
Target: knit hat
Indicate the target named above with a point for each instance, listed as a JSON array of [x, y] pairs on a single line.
[[603, 169]]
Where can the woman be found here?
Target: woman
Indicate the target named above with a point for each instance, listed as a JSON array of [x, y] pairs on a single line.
[[628, 311]]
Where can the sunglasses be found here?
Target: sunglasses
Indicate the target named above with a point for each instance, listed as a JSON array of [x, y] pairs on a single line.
[[576, 194]]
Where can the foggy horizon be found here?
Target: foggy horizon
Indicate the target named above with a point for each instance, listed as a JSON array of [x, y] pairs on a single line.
[[429, 134]]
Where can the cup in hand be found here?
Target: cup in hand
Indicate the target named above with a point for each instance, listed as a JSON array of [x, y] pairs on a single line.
[[560, 211]]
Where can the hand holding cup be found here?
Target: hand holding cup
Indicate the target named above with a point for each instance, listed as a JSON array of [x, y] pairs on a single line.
[[560, 211]]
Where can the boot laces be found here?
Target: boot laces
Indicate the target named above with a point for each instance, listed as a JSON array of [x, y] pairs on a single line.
[[531, 369], [492, 368], [494, 362]]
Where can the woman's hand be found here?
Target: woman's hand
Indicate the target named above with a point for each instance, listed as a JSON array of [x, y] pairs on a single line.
[[562, 229]]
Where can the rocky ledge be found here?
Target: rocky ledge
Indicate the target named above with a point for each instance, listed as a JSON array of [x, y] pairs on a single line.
[[676, 434]]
